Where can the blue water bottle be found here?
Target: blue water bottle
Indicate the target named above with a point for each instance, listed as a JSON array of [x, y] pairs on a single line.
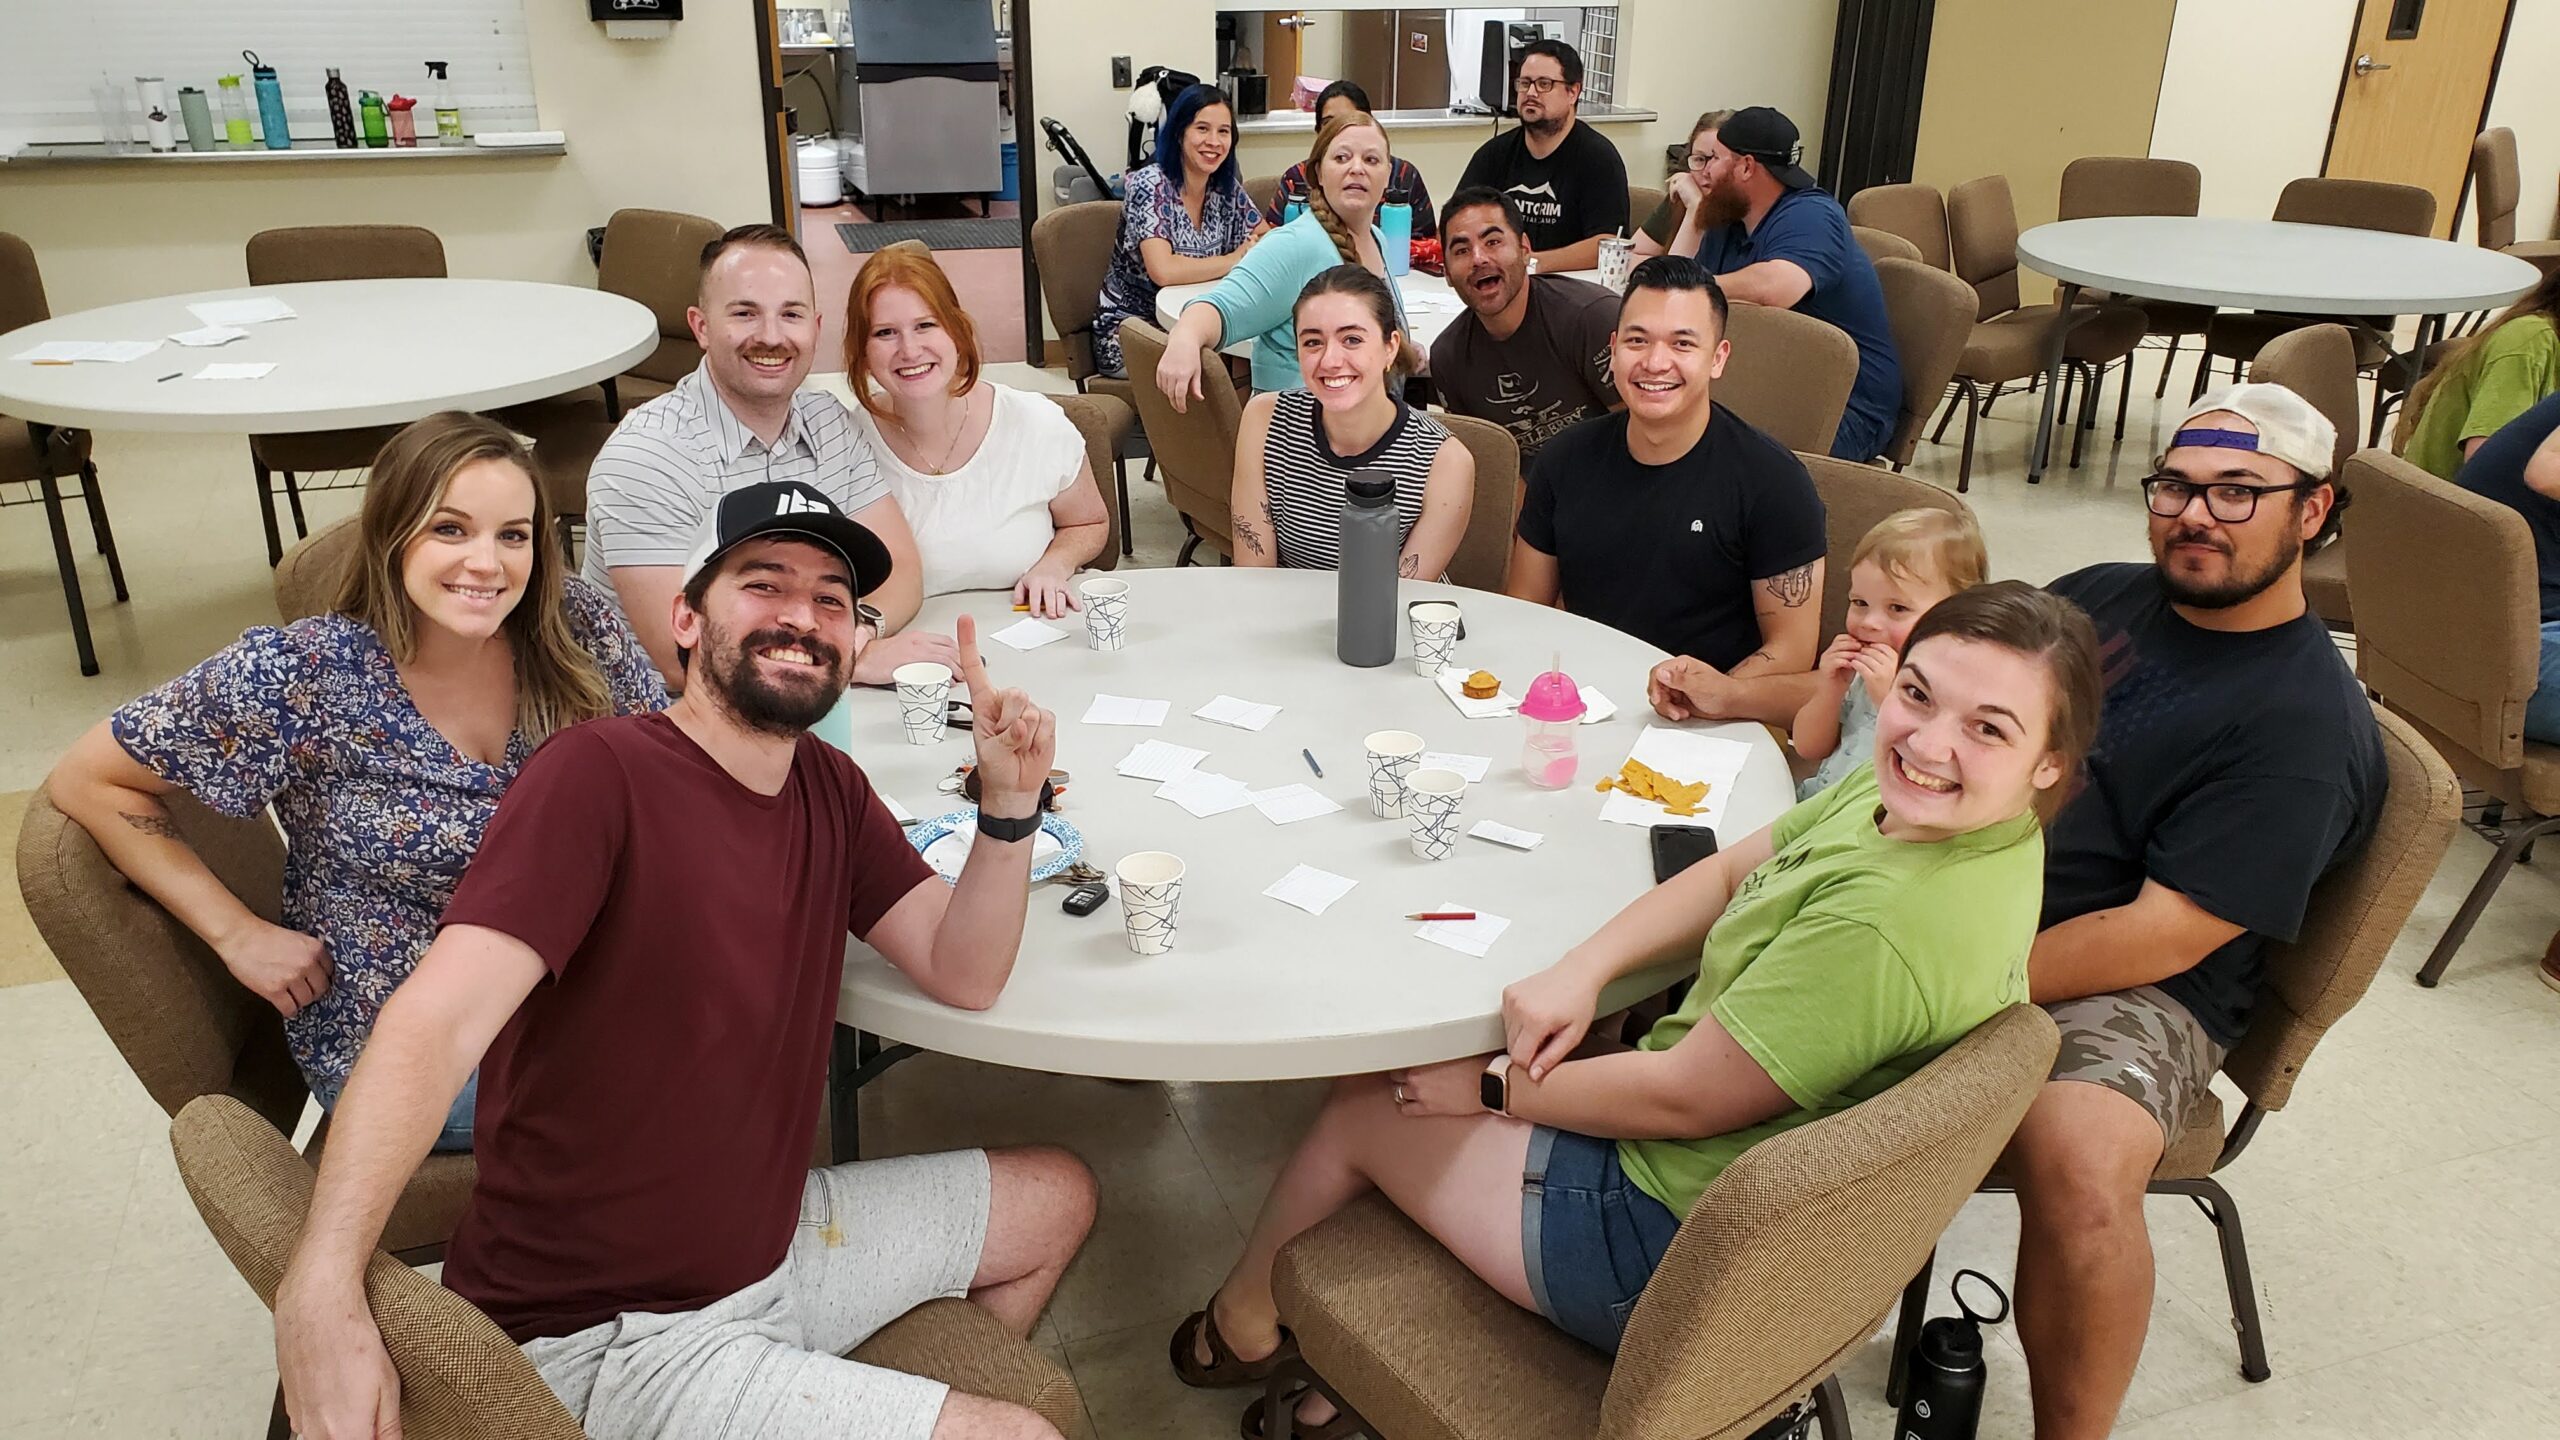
[[278, 135], [1395, 222]]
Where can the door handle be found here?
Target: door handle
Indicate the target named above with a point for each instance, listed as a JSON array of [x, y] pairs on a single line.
[[1299, 21], [2366, 65]]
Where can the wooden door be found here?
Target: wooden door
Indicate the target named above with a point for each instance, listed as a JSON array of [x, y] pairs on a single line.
[[2414, 93], [1422, 60], [1280, 30]]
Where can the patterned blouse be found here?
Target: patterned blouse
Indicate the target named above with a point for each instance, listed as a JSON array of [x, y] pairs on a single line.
[[1152, 209], [380, 813]]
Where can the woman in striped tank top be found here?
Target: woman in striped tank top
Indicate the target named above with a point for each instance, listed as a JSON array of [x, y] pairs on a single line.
[[1297, 447]]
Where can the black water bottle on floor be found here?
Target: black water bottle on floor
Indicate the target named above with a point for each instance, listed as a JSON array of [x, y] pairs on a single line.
[[1365, 618], [1942, 1395]]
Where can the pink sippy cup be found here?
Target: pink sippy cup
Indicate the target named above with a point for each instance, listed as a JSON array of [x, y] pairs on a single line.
[[1553, 710]]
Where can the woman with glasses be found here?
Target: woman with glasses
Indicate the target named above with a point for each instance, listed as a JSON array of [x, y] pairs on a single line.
[[1681, 194]]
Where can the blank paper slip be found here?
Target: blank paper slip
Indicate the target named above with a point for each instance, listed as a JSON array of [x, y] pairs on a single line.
[[1292, 803], [1028, 635], [210, 335], [1160, 760], [1474, 937], [1596, 707], [1511, 835], [1205, 794], [1685, 756], [237, 370], [105, 352], [1121, 710], [1471, 766], [241, 312], [1310, 889], [1242, 714]]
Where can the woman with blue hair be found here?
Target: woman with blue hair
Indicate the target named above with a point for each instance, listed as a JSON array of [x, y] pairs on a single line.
[[1184, 220]]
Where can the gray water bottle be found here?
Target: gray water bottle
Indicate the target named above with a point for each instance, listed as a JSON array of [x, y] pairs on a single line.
[[1365, 622]]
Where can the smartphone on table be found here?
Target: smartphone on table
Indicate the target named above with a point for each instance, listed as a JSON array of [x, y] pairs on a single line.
[[1677, 847]]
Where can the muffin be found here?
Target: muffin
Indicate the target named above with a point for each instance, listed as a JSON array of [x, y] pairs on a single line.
[[1481, 686]]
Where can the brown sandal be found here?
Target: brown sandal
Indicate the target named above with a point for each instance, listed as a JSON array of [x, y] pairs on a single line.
[[1224, 1371], [1341, 1427]]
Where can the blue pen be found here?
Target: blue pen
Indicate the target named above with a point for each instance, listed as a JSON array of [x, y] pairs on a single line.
[[1311, 763]]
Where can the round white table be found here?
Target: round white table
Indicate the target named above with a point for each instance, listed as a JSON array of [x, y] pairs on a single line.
[[1429, 305], [356, 353], [1256, 989], [2261, 265]]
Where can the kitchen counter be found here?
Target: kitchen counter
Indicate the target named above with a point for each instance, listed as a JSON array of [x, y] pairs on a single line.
[[1281, 122]]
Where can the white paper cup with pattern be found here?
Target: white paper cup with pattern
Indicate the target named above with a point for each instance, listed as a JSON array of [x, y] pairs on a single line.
[[1150, 894], [923, 689], [1435, 635], [1393, 754], [1106, 613], [1617, 260], [1432, 798]]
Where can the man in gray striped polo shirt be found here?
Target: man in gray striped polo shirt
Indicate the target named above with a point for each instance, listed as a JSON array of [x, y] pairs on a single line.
[[740, 419]]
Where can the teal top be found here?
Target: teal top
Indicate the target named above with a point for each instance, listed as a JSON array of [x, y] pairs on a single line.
[[1258, 297]]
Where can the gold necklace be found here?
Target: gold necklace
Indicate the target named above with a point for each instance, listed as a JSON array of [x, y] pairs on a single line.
[[944, 466]]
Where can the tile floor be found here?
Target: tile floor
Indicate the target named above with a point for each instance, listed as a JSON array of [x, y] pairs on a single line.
[[2399, 1211]]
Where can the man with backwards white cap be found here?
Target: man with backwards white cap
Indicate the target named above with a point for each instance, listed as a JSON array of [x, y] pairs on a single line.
[[2237, 761]]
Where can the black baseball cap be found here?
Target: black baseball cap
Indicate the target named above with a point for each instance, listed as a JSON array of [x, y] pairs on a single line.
[[1770, 138], [795, 508]]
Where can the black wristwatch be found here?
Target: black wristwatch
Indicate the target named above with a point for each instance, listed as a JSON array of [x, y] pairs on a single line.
[[999, 828]]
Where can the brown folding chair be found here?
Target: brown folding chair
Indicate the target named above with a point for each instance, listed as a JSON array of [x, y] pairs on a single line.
[[1072, 247], [1854, 498], [2347, 204], [1262, 190], [2098, 185], [1931, 315], [1884, 245], [1789, 375], [1195, 448], [1917, 213], [2355, 914], [2318, 363], [1642, 201], [308, 579], [1484, 552], [2456, 657], [303, 253], [47, 455], [1105, 422], [1982, 227], [2497, 187], [1786, 1264]]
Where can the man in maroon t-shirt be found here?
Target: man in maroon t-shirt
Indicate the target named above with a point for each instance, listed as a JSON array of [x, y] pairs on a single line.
[[647, 948]]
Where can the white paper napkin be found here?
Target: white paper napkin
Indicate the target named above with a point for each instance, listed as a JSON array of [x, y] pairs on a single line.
[[1160, 760], [1681, 755], [1242, 714], [1028, 635], [237, 370], [1596, 706], [254, 311], [1453, 682], [1310, 889], [1205, 793], [210, 335], [1501, 834], [1292, 803], [1122, 710], [1474, 937]]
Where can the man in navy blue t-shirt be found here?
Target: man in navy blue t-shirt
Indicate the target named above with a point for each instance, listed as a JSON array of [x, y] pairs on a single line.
[[1770, 237]]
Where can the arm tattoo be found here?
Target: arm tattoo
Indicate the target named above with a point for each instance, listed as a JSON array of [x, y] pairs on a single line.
[[1409, 566], [1760, 657], [1250, 534], [1791, 588], [160, 825]]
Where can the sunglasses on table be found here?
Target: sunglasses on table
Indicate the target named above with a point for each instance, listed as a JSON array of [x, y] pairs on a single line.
[[2226, 501]]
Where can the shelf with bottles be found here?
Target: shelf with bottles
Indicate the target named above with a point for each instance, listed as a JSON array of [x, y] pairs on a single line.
[[303, 151]]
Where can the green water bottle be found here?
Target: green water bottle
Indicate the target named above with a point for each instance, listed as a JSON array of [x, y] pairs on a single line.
[[377, 125], [235, 112]]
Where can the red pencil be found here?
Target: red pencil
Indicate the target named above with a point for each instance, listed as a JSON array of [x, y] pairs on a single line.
[[1443, 915]]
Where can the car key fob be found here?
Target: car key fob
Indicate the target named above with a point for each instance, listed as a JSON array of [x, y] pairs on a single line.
[[1085, 899]]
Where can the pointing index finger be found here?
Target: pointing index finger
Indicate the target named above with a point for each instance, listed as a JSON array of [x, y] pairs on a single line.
[[973, 670]]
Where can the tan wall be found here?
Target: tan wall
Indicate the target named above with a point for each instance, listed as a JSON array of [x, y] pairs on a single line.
[[673, 124], [2024, 87], [2247, 93]]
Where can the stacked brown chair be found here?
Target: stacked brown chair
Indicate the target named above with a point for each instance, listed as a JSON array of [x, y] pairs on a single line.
[[1917, 213], [2497, 186], [1072, 247], [2318, 363], [1642, 201], [1484, 552], [1195, 448], [2448, 633], [1854, 498], [2355, 913], [1785, 1265], [2097, 185], [1982, 229], [654, 257], [1931, 315], [308, 578], [461, 1378], [1789, 375], [1882, 245], [2347, 204], [1105, 422], [1262, 190], [47, 455], [328, 252]]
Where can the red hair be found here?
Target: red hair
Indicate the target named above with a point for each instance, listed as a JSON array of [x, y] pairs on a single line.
[[909, 265]]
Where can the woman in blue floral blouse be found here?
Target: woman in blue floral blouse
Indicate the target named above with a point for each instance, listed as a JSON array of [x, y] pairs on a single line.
[[1184, 220], [383, 733]]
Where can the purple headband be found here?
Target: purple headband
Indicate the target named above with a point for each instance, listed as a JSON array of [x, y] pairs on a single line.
[[2215, 439]]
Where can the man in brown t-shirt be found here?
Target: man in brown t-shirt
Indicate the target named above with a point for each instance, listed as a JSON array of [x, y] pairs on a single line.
[[648, 947], [1532, 352]]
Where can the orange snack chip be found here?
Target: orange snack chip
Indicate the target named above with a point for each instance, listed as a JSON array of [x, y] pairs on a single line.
[[1676, 797]]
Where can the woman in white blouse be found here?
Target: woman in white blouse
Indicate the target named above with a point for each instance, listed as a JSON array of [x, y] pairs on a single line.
[[993, 479]]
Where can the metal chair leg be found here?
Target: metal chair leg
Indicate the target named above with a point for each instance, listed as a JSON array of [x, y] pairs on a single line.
[[2124, 396], [1190, 547], [1831, 1408], [1120, 477], [1993, 397], [267, 509], [293, 497], [2204, 376], [70, 571], [2088, 382], [1964, 463], [2478, 900], [1906, 1328], [2161, 390], [2216, 1203], [1966, 390], [100, 530]]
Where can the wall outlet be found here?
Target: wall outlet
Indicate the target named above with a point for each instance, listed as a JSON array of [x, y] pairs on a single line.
[[1120, 77]]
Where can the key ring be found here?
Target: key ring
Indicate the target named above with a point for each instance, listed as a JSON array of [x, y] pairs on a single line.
[[1955, 1288]]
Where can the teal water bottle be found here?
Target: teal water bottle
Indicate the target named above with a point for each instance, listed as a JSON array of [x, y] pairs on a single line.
[[1395, 223], [278, 135]]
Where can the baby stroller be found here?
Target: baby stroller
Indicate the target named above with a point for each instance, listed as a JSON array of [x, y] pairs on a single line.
[[1079, 179]]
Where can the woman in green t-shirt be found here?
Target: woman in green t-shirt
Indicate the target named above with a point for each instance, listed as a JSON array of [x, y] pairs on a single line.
[[2485, 381], [1841, 948]]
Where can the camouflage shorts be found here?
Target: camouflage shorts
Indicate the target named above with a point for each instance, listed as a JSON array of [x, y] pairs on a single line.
[[2141, 1044]]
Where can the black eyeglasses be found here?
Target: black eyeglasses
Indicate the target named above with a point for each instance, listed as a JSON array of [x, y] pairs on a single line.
[[1538, 84], [1700, 162], [2232, 504]]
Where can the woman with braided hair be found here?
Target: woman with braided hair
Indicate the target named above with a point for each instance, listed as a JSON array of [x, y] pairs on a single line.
[[1350, 163]]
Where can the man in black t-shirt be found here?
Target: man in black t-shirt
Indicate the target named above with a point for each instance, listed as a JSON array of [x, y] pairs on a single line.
[[2237, 761], [1570, 184], [1678, 523], [1532, 352]]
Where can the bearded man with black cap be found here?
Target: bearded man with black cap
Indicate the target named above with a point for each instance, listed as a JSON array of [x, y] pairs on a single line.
[[1771, 236], [2237, 762], [648, 948]]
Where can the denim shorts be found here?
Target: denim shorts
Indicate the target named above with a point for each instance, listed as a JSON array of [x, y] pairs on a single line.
[[456, 1136], [1590, 1237]]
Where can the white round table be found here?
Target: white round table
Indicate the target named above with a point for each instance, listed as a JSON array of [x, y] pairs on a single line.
[[1256, 989], [1429, 306], [2262, 265]]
